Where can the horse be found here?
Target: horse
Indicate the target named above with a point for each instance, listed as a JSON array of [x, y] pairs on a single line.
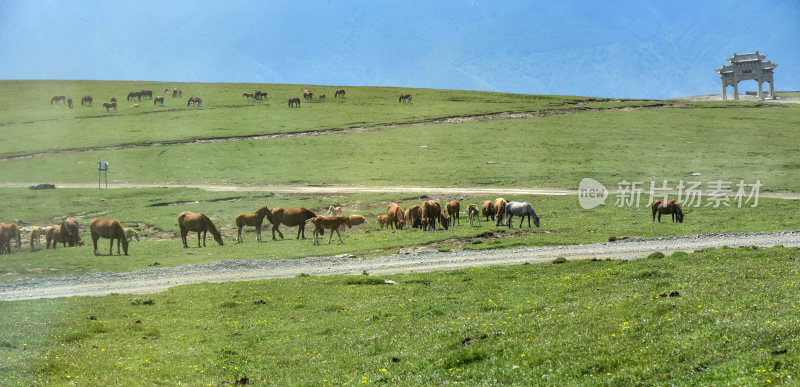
[[135, 95], [69, 227], [259, 95], [53, 234], [307, 94], [146, 94], [500, 210], [12, 232], [322, 97], [405, 98], [474, 213], [453, 209], [487, 209], [432, 212], [291, 217], [200, 223], [396, 218], [86, 100], [130, 234], [110, 229], [158, 100], [194, 101], [114, 99], [255, 219], [383, 221], [667, 207], [57, 98], [355, 220], [521, 209], [414, 216], [110, 105], [335, 211], [331, 223], [35, 237], [69, 102], [175, 93], [5, 242], [339, 93], [294, 102], [249, 95]]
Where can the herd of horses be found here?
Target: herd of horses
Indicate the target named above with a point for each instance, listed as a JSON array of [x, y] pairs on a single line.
[[424, 216]]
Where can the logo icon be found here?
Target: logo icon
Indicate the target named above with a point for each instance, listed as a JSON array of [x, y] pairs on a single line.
[[591, 193]]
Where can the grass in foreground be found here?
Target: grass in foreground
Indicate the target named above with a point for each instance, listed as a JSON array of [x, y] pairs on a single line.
[[724, 316]]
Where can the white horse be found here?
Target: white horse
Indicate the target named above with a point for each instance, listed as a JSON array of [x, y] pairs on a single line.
[[522, 209]]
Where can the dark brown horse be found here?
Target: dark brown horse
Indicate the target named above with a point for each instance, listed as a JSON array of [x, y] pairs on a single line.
[[667, 207], [307, 94], [199, 223], [294, 102], [86, 100], [69, 227], [137, 95], [69, 102], [291, 217], [196, 101], [259, 95], [414, 216], [146, 94], [405, 98], [339, 93], [57, 98], [110, 105], [254, 220], [158, 100], [109, 229]]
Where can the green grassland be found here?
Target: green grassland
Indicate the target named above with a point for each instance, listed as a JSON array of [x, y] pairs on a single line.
[[720, 316]]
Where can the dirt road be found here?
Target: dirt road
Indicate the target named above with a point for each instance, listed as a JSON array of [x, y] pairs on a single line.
[[159, 279]]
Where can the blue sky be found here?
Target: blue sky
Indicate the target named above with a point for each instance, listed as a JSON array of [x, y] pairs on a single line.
[[626, 49]]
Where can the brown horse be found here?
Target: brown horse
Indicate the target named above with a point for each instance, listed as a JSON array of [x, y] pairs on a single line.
[[383, 221], [474, 213], [13, 232], [196, 101], [431, 213], [69, 227], [453, 209], [307, 94], [332, 224], [667, 207], [249, 95], [294, 102], [291, 217], [255, 220], [487, 209], [396, 217], [414, 216], [57, 98], [146, 94], [53, 234], [158, 100], [86, 100], [109, 229], [259, 95], [5, 242], [405, 98], [500, 210], [110, 105], [137, 95], [35, 237], [339, 93], [199, 223]]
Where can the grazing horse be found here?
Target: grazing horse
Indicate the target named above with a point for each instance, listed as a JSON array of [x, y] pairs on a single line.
[[254, 220], [57, 98], [130, 234], [158, 100], [13, 232], [137, 95], [500, 210], [175, 93], [5, 242], [339, 93], [196, 101], [405, 98], [146, 94], [87, 100], [474, 213], [199, 223], [69, 227], [396, 218], [69, 102], [521, 209], [383, 221], [332, 224], [432, 212], [414, 216], [109, 229], [110, 105], [54, 234], [487, 209], [291, 217], [294, 102], [453, 209], [307, 94], [249, 95], [322, 97], [35, 237], [667, 207]]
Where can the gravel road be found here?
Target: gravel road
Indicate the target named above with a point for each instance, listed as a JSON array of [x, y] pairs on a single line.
[[419, 260]]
